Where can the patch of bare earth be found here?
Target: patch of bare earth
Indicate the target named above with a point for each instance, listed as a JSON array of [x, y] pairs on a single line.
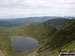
[[1, 53]]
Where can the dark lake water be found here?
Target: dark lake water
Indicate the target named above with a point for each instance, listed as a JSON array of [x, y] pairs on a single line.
[[23, 43]]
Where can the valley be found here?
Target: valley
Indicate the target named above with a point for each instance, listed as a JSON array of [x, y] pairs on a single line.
[[52, 37]]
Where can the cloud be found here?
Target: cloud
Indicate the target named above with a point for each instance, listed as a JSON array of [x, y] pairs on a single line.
[[37, 7]]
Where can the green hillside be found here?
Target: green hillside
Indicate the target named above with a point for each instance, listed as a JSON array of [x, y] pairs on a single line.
[[58, 40], [64, 39], [51, 40], [37, 30], [64, 36]]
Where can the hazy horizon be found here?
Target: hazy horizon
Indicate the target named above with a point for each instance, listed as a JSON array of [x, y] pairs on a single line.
[[6, 18]]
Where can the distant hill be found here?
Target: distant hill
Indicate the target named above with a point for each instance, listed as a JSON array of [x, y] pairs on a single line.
[[23, 21], [4, 23], [57, 22]]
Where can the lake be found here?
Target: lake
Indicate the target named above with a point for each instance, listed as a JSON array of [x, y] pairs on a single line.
[[23, 43]]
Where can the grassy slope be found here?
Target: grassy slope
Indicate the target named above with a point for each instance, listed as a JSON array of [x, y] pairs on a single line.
[[67, 47], [61, 38], [43, 33], [64, 36], [5, 43], [39, 31], [64, 39]]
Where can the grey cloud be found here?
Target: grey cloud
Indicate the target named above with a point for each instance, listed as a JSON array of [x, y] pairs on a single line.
[[36, 7]]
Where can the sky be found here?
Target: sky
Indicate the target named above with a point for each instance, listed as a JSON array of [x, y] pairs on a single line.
[[29, 8]]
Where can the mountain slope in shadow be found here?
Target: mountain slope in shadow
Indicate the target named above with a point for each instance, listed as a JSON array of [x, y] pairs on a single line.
[[57, 22]]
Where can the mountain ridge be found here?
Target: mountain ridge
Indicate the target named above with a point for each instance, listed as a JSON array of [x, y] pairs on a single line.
[[24, 21], [57, 22]]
